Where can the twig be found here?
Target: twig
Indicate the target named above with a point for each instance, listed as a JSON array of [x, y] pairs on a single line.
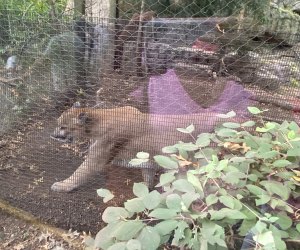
[[139, 41]]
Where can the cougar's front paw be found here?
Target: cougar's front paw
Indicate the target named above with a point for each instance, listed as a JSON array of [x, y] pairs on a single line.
[[62, 186]]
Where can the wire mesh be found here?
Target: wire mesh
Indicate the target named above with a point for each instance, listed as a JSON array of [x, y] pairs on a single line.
[[179, 63]]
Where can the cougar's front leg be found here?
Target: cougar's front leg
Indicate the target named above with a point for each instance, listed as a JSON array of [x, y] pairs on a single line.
[[95, 162]]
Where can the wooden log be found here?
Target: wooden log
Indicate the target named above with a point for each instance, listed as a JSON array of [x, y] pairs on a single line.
[[283, 102], [10, 81]]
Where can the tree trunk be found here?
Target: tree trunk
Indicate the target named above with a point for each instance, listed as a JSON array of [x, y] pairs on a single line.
[[76, 7]]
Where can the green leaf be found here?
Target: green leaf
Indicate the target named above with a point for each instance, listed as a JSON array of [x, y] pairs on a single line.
[[190, 240], [127, 230], [195, 182], [215, 159], [142, 155], [226, 132], [295, 143], [291, 135], [260, 227], [265, 239], [264, 147], [281, 163], [271, 219], [152, 200], [106, 194], [179, 232], [188, 198], [246, 226], [293, 152], [166, 178], [227, 201], [222, 165], [252, 177], [270, 125], [173, 201], [164, 239], [285, 175], [248, 124], [135, 205], [256, 190], [250, 215], [183, 185], [231, 125], [228, 115], [211, 199], [118, 246], [268, 155], [166, 227], [136, 162], [203, 140], [166, 162], [213, 233], [253, 143], [188, 130], [284, 221], [169, 150], [140, 189], [205, 153], [239, 196], [261, 129], [133, 245], [298, 227], [89, 241], [278, 237], [104, 238], [114, 214], [227, 213], [150, 238], [238, 159], [255, 111], [294, 126], [222, 191], [186, 146], [183, 130], [163, 213], [275, 187], [281, 204], [234, 177], [263, 199]]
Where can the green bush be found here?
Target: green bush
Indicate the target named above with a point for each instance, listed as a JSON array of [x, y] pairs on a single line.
[[238, 181]]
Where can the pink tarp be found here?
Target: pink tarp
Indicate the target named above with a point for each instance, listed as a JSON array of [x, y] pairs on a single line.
[[167, 96]]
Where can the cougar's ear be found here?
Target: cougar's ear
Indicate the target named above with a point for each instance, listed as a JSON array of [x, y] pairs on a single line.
[[83, 118]]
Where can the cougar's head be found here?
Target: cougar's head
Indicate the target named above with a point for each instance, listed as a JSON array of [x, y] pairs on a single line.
[[72, 124]]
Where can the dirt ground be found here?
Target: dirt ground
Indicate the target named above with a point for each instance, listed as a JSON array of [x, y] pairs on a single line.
[[34, 162], [15, 234], [30, 162]]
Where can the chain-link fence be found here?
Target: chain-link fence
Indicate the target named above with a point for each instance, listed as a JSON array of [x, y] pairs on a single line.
[[173, 64]]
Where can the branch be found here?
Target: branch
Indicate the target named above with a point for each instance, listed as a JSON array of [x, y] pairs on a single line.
[[10, 81]]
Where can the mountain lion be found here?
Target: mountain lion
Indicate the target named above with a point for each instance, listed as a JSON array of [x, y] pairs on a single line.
[[120, 133]]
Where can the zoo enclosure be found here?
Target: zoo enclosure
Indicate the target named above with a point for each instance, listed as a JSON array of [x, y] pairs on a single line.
[[204, 52]]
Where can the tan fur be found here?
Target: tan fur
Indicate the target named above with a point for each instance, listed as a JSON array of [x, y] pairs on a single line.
[[120, 133]]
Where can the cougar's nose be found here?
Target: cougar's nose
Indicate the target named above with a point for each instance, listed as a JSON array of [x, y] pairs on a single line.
[[60, 134]]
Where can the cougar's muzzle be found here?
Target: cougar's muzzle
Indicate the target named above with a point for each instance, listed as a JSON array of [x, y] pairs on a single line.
[[61, 134]]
